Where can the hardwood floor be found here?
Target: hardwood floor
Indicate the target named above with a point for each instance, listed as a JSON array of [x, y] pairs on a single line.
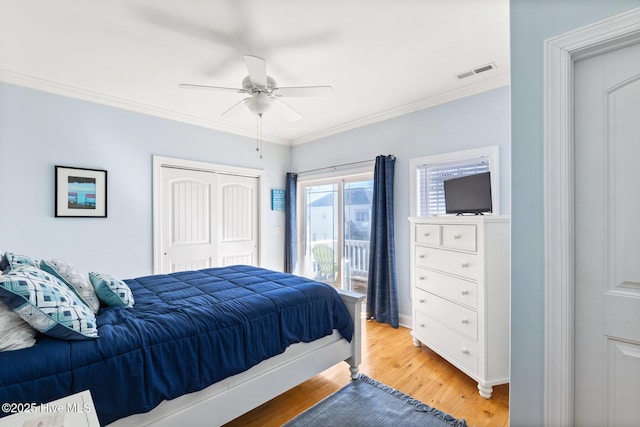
[[390, 357]]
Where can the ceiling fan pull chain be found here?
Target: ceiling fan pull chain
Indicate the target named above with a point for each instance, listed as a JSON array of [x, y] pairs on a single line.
[[259, 133]]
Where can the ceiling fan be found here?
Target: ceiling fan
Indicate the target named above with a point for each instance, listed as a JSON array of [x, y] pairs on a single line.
[[264, 92]]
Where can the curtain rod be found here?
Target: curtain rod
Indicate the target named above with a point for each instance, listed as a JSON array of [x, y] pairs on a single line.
[[336, 166]]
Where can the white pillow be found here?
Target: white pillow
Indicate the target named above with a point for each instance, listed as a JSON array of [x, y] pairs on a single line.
[[15, 333]]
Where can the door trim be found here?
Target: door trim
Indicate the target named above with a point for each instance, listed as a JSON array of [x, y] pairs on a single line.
[[173, 162], [561, 53]]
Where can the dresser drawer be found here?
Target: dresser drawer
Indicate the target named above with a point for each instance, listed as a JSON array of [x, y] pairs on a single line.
[[453, 288], [458, 263], [449, 344], [459, 237], [428, 234], [460, 319]]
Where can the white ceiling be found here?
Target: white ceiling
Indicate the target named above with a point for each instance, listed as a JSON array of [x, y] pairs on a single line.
[[383, 58]]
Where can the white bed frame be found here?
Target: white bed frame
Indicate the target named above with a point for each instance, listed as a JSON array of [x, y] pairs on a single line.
[[236, 395]]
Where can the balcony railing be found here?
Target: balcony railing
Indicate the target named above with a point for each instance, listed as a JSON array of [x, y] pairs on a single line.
[[357, 252]]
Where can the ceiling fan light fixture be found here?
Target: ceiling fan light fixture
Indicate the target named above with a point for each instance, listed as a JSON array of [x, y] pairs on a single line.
[[258, 104]]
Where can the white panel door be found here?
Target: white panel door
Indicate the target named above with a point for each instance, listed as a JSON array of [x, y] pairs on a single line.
[[207, 219], [237, 220], [607, 239], [187, 215]]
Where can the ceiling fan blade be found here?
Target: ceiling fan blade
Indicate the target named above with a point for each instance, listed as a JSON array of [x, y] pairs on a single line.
[[235, 106], [216, 88], [285, 109], [303, 91], [257, 68]]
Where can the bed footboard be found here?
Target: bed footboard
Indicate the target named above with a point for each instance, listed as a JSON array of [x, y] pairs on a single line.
[[236, 395]]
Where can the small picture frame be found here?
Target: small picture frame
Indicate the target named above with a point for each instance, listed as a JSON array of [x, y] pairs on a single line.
[[278, 200], [80, 192]]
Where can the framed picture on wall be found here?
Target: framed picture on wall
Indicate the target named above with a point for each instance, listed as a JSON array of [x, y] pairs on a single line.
[[80, 192]]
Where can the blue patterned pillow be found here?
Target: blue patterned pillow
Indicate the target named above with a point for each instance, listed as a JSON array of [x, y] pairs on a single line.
[[47, 304], [16, 260], [111, 291], [76, 281]]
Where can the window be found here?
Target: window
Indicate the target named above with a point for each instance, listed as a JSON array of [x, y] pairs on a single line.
[[429, 173], [362, 216], [431, 178]]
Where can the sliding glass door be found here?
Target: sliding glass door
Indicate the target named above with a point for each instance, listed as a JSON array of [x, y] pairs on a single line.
[[335, 225]]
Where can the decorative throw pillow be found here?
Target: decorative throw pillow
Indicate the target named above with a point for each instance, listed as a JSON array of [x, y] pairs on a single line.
[[4, 264], [16, 260], [47, 304], [15, 333], [111, 291], [78, 282]]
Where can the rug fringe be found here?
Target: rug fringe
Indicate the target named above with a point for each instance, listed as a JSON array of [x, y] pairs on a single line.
[[420, 406]]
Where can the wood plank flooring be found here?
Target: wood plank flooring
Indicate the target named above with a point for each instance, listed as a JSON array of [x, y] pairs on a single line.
[[390, 357]]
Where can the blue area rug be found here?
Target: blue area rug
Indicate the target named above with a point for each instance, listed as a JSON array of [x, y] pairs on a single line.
[[366, 402]]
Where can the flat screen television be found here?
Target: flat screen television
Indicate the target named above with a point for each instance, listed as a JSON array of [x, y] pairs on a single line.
[[468, 194]]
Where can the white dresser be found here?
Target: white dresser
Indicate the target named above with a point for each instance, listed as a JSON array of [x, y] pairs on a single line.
[[460, 293]]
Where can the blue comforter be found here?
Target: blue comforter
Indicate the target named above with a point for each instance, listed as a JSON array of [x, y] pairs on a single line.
[[186, 331]]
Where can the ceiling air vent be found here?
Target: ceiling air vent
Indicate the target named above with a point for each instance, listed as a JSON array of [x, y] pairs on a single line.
[[477, 70]]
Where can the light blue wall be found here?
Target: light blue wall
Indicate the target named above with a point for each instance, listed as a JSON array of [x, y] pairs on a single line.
[[532, 22], [39, 130], [475, 121]]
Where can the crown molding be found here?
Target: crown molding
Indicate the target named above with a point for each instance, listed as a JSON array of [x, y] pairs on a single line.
[[69, 91], [126, 104], [485, 85]]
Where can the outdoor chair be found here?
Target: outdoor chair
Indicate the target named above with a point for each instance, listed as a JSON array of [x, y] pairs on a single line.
[[327, 267]]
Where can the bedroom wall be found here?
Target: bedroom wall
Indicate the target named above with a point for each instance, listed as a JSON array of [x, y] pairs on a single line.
[[39, 130], [532, 22], [471, 122]]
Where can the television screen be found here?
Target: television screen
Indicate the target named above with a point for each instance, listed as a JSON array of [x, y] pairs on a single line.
[[468, 194]]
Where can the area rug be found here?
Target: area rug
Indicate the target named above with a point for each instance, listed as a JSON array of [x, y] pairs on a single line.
[[367, 402]]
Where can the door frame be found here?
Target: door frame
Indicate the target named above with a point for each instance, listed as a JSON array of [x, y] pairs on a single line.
[[161, 161], [561, 53]]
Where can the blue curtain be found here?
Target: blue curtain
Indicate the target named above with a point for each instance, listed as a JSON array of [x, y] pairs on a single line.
[[290, 253], [382, 292]]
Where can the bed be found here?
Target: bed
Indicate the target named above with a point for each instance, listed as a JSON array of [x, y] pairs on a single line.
[[196, 348]]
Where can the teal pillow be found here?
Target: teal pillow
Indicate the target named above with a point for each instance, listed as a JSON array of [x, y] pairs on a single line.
[[111, 291], [75, 280], [47, 304], [16, 260]]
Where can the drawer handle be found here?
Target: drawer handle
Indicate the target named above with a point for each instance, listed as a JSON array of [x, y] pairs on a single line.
[[427, 234], [464, 321], [422, 278], [457, 236], [423, 256], [422, 325], [465, 352], [465, 292], [464, 265], [422, 301]]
